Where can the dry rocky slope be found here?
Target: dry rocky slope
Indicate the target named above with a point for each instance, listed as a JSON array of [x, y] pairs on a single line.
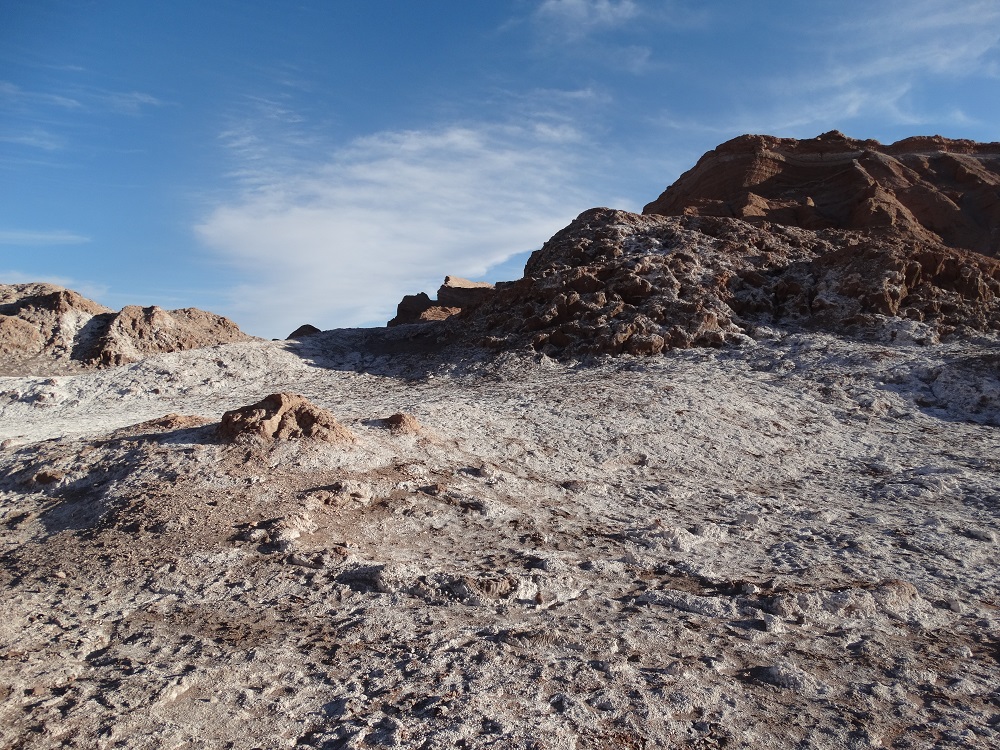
[[782, 532], [46, 328], [826, 234]]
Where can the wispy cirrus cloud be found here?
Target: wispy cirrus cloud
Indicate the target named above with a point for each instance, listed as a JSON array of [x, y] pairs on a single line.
[[338, 243], [888, 69], [15, 95], [128, 102], [37, 238], [34, 138], [578, 18]]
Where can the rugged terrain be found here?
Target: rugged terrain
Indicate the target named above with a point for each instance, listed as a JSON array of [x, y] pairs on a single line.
[[46, 328], [694, 481]]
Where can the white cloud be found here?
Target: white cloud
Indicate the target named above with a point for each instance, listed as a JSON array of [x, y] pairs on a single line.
[[338, 243], [870, 68], [35, 238], [577, 18], [16, 94], [887, 69]]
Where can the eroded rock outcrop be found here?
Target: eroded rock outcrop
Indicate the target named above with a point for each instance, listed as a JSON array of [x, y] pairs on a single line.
[[616, 282], [453, 296], [138, 332], [282, 416], [831, 233], [52, 326]]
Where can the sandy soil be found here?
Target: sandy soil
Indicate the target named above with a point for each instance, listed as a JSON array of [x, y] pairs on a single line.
[[792, 544]]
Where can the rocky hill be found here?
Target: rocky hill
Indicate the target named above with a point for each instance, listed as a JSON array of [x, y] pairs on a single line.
[[46, 328], [831, 234]]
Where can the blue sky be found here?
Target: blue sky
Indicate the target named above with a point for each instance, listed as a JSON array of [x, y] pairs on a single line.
[[312, 161]]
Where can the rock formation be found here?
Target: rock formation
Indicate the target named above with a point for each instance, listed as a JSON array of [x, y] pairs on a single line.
[[454, 295], [282, 416], [926, 188], [53, 327], [826, 234], [137, 332]]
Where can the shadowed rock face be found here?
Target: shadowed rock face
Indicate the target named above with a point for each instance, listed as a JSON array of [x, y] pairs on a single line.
[[929, 188]]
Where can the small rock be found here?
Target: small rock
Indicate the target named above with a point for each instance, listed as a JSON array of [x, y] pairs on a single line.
[[47, 476], [402, 423], [982, 535]]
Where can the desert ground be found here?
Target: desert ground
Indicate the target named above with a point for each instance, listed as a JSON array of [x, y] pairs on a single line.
[[789, 543]]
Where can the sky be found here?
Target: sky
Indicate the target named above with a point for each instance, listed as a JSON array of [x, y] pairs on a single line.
[[312, 161]]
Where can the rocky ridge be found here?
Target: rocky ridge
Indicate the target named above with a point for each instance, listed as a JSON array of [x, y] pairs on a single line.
[[927, 188], [46, 327]]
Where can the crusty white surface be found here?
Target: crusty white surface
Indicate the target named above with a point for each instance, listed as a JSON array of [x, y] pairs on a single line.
[[789, 544]]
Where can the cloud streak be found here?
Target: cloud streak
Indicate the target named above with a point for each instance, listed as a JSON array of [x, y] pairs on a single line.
[[879, 71], [41, 238], [338, 243]]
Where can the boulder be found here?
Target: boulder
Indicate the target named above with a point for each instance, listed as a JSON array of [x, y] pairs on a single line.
[[402, 423], [282, 416]]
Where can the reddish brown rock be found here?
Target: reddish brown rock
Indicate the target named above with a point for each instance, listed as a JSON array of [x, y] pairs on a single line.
[[282, 416], [454, 295], [410, 308], [137, 332], [19, 336], [928, 188]]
